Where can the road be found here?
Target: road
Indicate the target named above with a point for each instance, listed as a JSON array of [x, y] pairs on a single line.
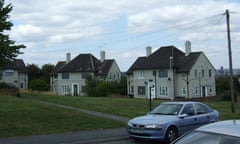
[[111, 136]]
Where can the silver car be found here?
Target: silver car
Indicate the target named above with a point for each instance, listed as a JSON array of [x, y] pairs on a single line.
[[171, 119], [222, 132]]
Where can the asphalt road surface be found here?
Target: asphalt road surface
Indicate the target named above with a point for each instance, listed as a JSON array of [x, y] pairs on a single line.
[[111, 136]]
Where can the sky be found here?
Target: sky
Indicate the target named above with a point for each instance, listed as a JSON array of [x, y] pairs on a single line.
[[123, 28]]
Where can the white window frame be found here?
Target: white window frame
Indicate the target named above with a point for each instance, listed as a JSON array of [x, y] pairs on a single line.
[[140, 74]]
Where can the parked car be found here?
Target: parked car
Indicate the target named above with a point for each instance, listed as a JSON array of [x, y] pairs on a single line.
[[169, 120], [222, 132]]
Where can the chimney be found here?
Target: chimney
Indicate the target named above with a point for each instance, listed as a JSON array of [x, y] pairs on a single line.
[[68, 57], [102, 56], [187, 48], [148, 50]]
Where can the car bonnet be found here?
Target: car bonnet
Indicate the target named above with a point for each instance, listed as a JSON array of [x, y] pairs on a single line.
[[229, 127], [153, 119]]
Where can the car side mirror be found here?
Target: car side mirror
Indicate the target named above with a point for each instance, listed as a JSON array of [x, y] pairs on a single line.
[[183, 115]]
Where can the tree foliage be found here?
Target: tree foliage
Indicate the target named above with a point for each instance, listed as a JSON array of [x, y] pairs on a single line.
[[223, 87], [38, 84], [8, 49], [46, 71], [39, 76], [97, 88]]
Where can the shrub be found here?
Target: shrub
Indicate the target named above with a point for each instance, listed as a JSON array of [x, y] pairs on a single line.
[[6, 85], [38, 84], [226, 95]]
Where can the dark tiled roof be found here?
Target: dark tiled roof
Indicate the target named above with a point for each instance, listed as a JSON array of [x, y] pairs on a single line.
[[81, 63], [104, 67], [186, 62], [16, 64], [160, 59], [137, 65], [59, 65], [87, 63]]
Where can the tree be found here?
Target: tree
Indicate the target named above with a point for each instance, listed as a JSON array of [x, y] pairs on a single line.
[[8, 49], [46, 72], [34, 72]]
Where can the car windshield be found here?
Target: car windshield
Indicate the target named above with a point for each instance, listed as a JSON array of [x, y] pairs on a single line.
[[167, 109], [207, 138]]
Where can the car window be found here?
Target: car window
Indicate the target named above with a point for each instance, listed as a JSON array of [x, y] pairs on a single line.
[[202, 109], [188, 109], [167, 109]]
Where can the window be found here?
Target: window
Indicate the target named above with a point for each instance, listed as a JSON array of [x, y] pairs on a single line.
[[9, 73], [188, 109], [196, 91], [210, 73], [184, 92], [162, 73], [184, 76], [141, 90], [210, 89], [66, 89], [203, 73], [163, 91], [140, 74], [85, 75], [65, 75], [195, 73], [202, 109]]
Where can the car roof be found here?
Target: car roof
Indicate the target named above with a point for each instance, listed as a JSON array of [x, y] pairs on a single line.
[[180, 102], [227, 127]]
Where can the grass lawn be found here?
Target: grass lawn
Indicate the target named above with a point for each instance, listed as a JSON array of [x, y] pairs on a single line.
[[117, 106], [21, 117], [125, 106]]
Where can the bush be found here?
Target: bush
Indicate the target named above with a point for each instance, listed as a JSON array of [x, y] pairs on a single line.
[[226, 95], [39, 85], [6, 85], [97, 88]]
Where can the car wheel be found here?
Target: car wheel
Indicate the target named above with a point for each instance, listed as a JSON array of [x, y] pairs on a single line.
[[171, 135]]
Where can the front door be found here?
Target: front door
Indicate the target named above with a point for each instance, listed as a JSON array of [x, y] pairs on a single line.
[[75, 90], [203, 91]]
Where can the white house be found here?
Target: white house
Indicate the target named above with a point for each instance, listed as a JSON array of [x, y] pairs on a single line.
[[170, 73], [15, 73], [69, 77]]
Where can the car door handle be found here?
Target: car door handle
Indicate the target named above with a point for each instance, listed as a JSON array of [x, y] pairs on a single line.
[[208, 117], [195, 119]]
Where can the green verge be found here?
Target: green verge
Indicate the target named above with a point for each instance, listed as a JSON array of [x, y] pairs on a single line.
[[125, 106], [117, 106], [19, 117]]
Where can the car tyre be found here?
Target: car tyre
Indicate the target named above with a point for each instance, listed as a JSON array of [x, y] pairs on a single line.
[[171, 135]]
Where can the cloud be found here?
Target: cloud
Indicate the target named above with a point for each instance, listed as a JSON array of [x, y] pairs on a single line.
[[87, 24], [26, 32]]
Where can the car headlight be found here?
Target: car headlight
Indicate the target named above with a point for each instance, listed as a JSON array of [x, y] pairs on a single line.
[[153, 126], [130, 124]]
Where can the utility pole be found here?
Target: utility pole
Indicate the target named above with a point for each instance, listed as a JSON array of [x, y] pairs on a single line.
[[230, 62]]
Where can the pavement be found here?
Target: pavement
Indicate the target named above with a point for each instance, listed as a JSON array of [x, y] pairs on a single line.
[[82, 137]]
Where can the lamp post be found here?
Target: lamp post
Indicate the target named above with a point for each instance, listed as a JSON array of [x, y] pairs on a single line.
[[171, 76]]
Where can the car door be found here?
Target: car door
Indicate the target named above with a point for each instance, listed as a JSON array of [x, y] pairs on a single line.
[[190, 120], [202, 114]]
